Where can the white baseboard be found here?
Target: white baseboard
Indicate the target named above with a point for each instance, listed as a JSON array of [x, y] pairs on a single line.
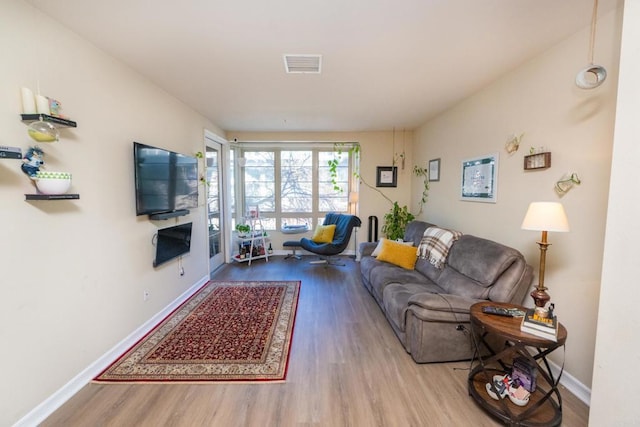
[[53, 402], [572, 384]]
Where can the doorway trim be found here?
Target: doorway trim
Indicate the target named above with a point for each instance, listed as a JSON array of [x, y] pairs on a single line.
[[214, 140]]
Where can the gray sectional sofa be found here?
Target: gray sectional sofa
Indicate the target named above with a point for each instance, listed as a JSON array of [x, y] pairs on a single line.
[[428, 308]]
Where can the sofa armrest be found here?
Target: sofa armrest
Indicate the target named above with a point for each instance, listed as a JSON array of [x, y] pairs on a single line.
[[443, 302], [447, 308], [367, 248]]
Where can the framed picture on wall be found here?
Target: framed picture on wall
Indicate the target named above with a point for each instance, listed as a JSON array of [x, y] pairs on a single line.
[[434, 170], [480, 179], [386, 176]]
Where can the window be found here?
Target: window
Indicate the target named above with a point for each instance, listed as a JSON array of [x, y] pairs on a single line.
[[296, 181], [294, 186], [259, 180], [333, 198]]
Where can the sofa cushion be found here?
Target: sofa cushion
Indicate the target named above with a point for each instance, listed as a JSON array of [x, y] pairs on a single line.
[[423, 266], [415, 231], [398, 254], [456, 283], [480, 259], [382, 274]]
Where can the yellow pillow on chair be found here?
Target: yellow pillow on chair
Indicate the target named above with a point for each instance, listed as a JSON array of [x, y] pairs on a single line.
[[324, 233], [398, 254]]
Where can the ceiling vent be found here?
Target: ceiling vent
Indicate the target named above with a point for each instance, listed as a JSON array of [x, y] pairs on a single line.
[[306, 64]]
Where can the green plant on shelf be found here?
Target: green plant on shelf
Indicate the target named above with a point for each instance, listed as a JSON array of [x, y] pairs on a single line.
[[243, 229]]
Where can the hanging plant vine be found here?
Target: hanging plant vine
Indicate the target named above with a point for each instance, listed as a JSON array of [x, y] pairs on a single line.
[[424, 173], [398, 217], [354, 149], [203, 179], [338, 149]]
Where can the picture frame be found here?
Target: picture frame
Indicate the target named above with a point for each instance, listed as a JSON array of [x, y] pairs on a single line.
[[434, 170], [479, 181], [386, 176]]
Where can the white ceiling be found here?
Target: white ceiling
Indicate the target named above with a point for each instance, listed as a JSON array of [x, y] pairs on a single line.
[[385, 63]]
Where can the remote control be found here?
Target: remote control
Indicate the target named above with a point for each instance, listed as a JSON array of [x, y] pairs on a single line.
[[499, 311]]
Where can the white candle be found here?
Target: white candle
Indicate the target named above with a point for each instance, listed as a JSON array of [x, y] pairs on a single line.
[[43, 104], [28, 101]]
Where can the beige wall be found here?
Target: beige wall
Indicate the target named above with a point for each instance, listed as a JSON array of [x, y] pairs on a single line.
[[615, 375], [540, 100], [377, 149], [73, 272]]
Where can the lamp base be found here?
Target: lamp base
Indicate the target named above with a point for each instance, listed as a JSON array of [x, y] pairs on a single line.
[[540, 297]]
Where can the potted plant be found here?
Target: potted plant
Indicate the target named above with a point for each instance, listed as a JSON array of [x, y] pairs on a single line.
[[395, 221], [243, 230]]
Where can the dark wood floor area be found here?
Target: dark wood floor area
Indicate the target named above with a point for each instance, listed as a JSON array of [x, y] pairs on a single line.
[[347, 368]]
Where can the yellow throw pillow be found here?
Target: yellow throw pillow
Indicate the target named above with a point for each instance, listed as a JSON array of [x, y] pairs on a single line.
[[324, 233], [378, 248], [398, 254]]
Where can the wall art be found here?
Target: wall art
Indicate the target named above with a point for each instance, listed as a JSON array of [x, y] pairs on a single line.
[[480, 179]]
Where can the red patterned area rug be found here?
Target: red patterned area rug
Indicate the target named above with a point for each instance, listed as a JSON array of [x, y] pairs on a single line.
[[227, 331]]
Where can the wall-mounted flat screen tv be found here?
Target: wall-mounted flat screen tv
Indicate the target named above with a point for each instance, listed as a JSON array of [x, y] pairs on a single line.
[[165, 181], [171, 242]]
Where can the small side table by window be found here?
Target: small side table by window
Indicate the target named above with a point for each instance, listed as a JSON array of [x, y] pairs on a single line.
[[545, 403]]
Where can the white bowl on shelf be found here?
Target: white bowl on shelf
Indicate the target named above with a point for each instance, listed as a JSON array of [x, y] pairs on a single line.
[[51, 183]]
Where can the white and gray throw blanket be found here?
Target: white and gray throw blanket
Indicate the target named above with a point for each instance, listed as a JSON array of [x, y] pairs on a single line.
[[435, 245]]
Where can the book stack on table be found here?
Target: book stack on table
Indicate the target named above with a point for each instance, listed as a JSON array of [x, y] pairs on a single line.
[[543, 327]]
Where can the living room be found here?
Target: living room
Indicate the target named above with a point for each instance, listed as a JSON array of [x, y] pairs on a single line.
[[74, 272]]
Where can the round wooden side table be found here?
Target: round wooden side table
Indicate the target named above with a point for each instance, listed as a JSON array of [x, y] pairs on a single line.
[[545, 403]]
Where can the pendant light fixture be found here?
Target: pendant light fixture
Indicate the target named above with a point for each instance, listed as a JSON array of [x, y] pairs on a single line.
[[591, 76]]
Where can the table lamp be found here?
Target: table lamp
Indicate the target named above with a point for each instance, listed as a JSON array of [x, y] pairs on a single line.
[[544, 216]]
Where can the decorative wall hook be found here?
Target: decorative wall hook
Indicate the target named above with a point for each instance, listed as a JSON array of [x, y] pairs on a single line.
[[566, 183], [513, 143]]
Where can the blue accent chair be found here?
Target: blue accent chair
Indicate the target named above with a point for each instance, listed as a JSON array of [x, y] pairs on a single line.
[[328, 251]]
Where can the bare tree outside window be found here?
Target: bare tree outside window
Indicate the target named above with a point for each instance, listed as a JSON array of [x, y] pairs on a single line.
[[259, 180], [294, 186], [296, 181]]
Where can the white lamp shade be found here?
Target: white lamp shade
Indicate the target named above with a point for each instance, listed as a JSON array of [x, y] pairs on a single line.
[[353, 197], [545, 216]]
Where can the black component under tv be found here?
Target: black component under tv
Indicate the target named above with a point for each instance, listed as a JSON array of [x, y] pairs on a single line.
[[171, 242], [165, 181]]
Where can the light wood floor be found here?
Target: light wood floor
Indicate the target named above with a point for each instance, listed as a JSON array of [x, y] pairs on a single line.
[[347, 368]]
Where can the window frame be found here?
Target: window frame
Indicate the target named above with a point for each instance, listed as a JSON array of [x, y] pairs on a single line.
[[316, 215]]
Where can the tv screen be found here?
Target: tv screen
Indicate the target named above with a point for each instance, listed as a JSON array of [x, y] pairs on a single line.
[[172, 242], [165, 181]]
